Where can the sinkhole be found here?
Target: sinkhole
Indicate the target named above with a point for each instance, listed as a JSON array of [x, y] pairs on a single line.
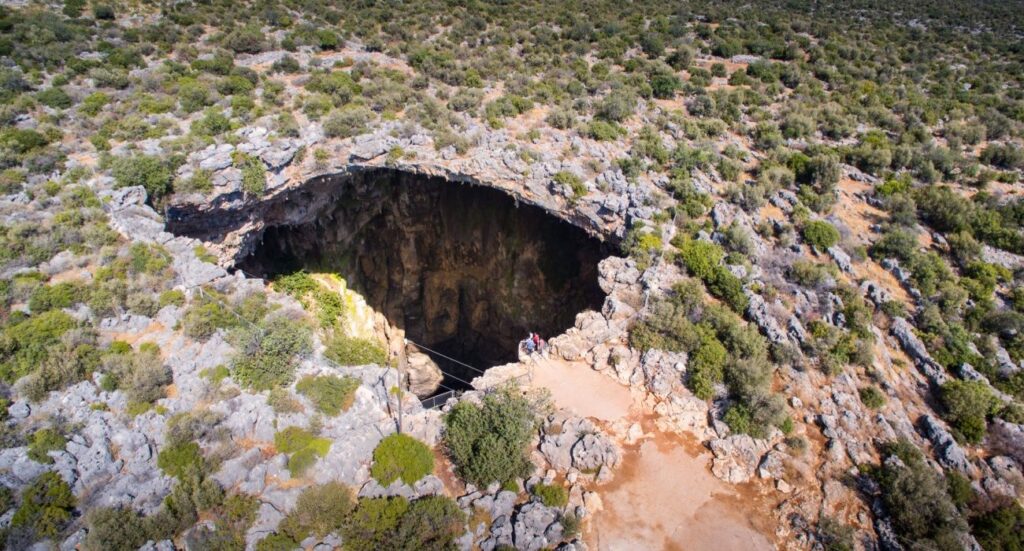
[[464, 270]]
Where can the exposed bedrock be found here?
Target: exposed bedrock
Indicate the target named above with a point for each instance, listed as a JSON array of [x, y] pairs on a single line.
[[463, 269]]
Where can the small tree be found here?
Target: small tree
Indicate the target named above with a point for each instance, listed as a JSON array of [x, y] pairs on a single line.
[[488, 442], [143, 170]]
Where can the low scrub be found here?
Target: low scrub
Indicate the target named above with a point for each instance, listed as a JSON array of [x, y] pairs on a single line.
[[400, 456], [431, 522], [304, 448], [330, 394]]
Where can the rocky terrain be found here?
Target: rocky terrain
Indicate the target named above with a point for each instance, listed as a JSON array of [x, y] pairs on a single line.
[[235, 260]]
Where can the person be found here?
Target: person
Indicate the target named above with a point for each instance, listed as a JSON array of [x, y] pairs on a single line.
[[529, 344], [542, 347], [536, 340]]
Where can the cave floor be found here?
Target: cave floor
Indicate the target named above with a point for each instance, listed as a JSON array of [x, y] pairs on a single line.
[[663, 495]]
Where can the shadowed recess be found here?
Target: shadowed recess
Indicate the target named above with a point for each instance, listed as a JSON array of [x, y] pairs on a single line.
[[463, 269]]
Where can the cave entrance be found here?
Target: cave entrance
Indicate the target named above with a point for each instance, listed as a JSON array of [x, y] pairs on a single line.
[[462, 269]]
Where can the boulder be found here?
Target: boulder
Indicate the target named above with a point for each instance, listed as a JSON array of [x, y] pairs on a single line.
[[536, 527], [948, 453], [737, 457]]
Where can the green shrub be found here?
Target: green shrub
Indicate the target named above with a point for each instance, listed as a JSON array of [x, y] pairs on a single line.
[[114, 529], [143, 170], [330, 394], [205, 316], [347, 122], [551, 495], [43, 442], [701, 258], [248, 39], [103, 12], [303, 446], [401, 456], [604, 131], [488, 442], [181, 460], [319, 511], [93, 103], [1000, 529], [820, 235], [254, 174], [172, 297], [572, 181], [46, 506], [25, 345], [915, 497], [706, 367], [50, 297], [344, 350], [431, 523], [968, 405], [267, 353], [55, 97], [872, 397], [328, 304]]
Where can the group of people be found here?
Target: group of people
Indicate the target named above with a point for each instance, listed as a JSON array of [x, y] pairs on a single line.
[[533, 343]]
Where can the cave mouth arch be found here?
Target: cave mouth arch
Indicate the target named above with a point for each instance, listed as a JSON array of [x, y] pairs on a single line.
[[463, 269]]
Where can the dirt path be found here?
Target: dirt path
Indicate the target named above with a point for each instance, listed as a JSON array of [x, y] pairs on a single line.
[[663, 495]]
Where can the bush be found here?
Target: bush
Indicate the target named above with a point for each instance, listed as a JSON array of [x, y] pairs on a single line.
[[1000, 529], [347, 122], [114, 529], [401, 456], [604, 131], [488, 442], [701, 258], [872, 397], [551, 495], [103, 12], [303, 446], [319, 511], [706, 367], [46, 506], [344, 350], [55, 97], [50, 297], [182, 460], [267, 352], [248, 40], [915, 497], [330, 394], [572, 181], [143, 170], [25, 345], [820, 235], [43, 442], [254, 174], [204, 317], [968, 405], [429, 523]]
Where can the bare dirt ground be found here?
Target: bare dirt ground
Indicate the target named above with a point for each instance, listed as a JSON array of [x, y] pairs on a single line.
[[588, 393], [663, 495]]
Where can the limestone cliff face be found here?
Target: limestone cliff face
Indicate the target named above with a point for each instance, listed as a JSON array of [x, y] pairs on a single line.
[[462, 269]]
